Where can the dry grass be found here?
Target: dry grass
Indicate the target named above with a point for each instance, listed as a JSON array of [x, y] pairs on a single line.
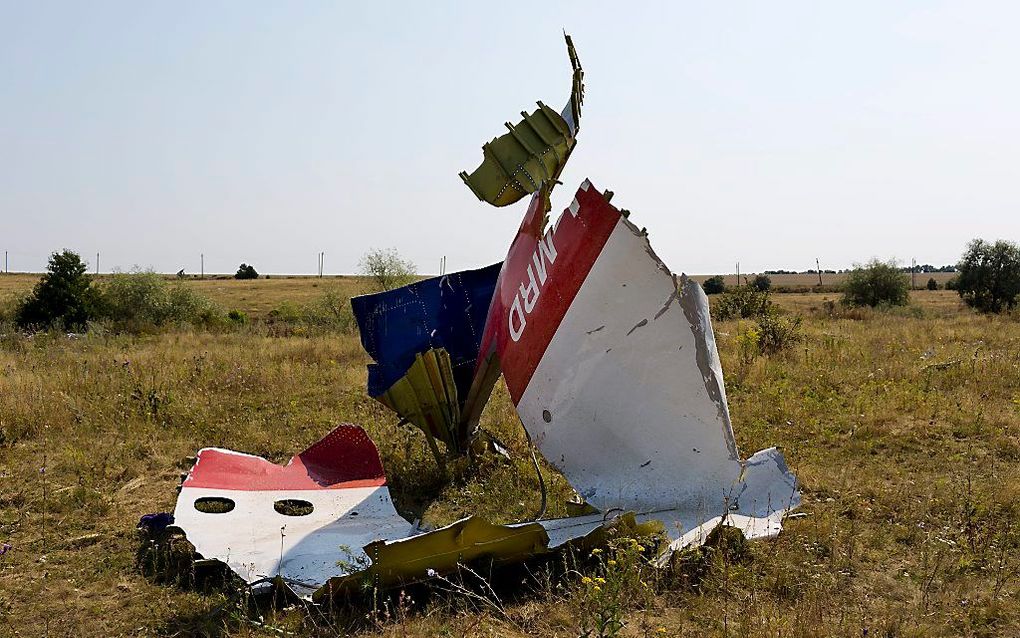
[[903, 427], [256, 297], [804, 280]]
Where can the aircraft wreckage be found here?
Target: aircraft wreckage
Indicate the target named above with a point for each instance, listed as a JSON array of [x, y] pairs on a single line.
[[608, 356]]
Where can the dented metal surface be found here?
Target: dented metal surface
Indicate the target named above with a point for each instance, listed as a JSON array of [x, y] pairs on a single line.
[[423, 339], [340, 477], [534, 151], [324, 523], [612, 364]]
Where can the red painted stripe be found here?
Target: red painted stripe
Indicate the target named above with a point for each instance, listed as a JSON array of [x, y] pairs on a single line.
[[344, 458], [579, 241]]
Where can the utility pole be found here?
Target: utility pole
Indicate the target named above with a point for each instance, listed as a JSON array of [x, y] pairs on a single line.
[[202, 276], [6, 270], [322, 263], [818, 266], [97, 262], [738, 274], [913, 274]]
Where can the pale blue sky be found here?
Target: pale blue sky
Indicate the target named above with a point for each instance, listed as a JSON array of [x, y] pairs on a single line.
[[264, 132]]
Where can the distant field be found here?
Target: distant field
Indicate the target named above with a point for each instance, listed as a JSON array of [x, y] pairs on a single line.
[[257, 297], [254, 296], [828, 279]]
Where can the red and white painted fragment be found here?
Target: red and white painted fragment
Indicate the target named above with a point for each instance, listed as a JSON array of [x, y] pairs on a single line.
[[340, 477], [611, 361]]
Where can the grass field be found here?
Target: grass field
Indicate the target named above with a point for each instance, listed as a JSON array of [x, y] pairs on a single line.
[[257, 297], [903, 427]]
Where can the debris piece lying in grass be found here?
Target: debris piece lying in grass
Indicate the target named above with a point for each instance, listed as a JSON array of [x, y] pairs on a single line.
[[612, 364], [324, 523], [608, 356]]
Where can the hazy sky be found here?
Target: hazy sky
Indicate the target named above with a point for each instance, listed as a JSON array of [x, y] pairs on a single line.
[[265, 132]]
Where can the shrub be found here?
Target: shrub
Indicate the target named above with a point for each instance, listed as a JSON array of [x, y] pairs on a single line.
[[876, 283], [771, 334], [989, 278], [142, 300], [330, 313], [761, 283], [741, 303], [244, 271], [932, 284], [777, 333], [237, 317], [64, 296], [714, 285], [620, 582], [387, 268], [333, 310], [953, 283]]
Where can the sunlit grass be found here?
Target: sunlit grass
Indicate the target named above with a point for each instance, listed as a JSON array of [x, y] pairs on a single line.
[[903, 428]]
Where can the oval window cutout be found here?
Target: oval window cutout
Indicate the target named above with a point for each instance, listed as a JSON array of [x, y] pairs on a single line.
[[293, 507], [214, 505]]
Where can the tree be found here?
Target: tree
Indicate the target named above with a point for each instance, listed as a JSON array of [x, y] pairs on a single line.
[[714, 285], [989, 278], [876, 283], [387, 268], [246, 272], [932, 284], [761, 283], [65, 296]]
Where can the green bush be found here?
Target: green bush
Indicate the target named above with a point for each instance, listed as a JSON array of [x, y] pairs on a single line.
[[761, 283], [237, 317], [387, 268], [741, 303], [333, 310], [244, 271], [330, 313], [932, 284], [143, 300], [64, 297], [771, 334], [953, 283], [989, 278], [714, 285], [877, 283], [777, 333]]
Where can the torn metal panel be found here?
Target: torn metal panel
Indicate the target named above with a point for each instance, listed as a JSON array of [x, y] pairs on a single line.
[[442, 551], [324, 522], [533, 152], [612, 364], [256, 517], [424, 340]]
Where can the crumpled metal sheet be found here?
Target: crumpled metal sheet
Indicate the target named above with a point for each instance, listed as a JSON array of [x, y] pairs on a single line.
[[611, 361], [424, 341], [534, 151], [352, 535], [340, 476]]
